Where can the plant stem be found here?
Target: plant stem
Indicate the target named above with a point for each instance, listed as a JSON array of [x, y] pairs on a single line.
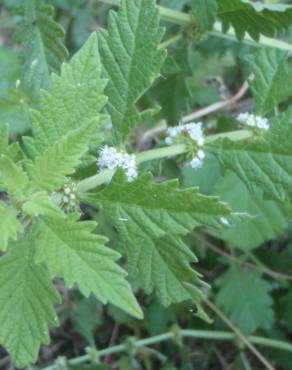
[[170, 41], [244, 340], [186, 20], [201, 334], [159, 153]]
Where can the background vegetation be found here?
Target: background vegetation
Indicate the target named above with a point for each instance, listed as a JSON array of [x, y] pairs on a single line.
[[249, 267]]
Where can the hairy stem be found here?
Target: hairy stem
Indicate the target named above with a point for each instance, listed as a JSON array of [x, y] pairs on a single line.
[[159, 153], [201, 334]]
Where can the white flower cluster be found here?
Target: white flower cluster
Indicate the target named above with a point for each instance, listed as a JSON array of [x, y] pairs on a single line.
[[195, 132], [252, 120], [197, 161], [110, 158]]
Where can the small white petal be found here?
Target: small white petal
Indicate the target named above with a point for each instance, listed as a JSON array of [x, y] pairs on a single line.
[[196, 163], [168, 140], [201, 154]]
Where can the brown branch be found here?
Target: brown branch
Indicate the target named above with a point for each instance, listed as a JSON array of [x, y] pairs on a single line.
[[219, 105], [239, 334]]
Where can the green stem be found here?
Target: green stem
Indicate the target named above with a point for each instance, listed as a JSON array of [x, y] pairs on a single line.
[[202, 334], [186, 20], [159, 153], [170, 41]]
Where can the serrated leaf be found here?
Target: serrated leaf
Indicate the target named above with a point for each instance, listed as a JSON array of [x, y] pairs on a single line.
[[255, 18], [273, 78], [40, 204], [205, 12], [264, 162], [9, 225], [131, 60], [13, 177], [74, 99], [244, 296], [42, 38], [27, 297], [268, 220], [49, 170], [145, 208], [164, 265], [151, 218], [71, 250]]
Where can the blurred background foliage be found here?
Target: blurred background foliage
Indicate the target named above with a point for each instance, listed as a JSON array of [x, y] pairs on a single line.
[[249, 267]]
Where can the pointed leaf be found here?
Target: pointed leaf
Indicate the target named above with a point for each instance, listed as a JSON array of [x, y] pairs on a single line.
[[264, 162], [72, 251], [150, 219], [42, 38], [27, 297], [9, 225], [12, 177], [74, 99], [205, 12], [273, 78], [131, 60], [254, 18], [49, 170], [244, 296]]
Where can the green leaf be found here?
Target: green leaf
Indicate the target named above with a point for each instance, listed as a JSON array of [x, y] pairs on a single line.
[[86, 317], [27, 297], [268, 220], [205, 12], [42, 41], [244, 296], [49, 170], [150, 219], [131, 60], [172, 92], [72, 251], [157, 209], [263, 162], [4, 139], [74, 99], [9, 225], [286, 300], [164, 265], [13, 177], [254, 18], [273, 78], [40, 204]]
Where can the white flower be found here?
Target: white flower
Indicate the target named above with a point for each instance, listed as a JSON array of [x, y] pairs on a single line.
[[201, 154], [196, 163], [194, 130], [252, 120], [110, 158], [131, 174], [168, 140]]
